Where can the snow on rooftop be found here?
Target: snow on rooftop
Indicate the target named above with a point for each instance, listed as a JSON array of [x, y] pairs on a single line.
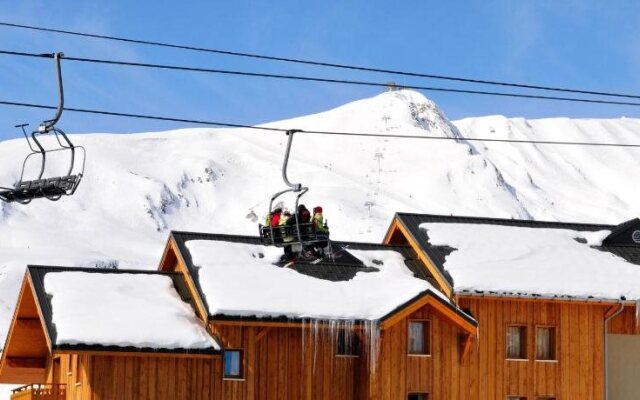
[[533, 261], [138, 310], [241, 280]]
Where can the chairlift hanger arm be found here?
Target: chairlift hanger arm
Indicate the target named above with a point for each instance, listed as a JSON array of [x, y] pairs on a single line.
[[46, 126], [295, 186]]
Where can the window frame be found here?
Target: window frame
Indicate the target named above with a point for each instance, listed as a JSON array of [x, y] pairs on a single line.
[[241, 376], [427, 339], [357, 342], [555, 344], [524, 342]]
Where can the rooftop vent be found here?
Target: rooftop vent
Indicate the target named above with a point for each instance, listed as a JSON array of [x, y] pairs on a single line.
[[625, 234]]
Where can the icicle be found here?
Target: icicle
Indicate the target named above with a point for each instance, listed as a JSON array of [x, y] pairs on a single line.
[[305, 340], [372, 332], [315, 343]]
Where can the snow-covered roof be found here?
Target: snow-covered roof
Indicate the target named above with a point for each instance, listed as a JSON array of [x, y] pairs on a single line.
[[242, 280], [139, 310], [535, 260]]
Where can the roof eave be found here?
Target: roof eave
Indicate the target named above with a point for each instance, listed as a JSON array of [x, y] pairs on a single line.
[[535, 297], [132, 350]]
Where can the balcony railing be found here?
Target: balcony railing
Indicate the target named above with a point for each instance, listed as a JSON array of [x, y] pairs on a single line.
[[40, 391]]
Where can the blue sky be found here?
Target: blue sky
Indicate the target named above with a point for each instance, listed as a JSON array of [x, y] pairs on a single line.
[[571, 43]]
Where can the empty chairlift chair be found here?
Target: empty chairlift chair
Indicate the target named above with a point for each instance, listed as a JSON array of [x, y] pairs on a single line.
[[299, 233], [40, 186]]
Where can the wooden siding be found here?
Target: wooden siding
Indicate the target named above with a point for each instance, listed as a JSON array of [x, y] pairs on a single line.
[[298, 363], [149, 378], [71, 371], [577, 374], [625, 323], [112, 377], [289, 363]]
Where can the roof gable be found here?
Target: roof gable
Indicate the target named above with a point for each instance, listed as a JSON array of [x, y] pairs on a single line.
[[25, 351]]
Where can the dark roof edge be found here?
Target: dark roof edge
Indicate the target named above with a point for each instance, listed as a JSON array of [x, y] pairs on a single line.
[[299, 320], [56, 268], [465, 217], [539, 297], [279, 319], [132, 349]]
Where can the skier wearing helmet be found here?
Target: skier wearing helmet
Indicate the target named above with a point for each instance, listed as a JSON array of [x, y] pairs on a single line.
[[318, 221]]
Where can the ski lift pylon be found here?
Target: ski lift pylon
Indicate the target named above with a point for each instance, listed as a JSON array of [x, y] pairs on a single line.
[[25, 190], [299, 233]]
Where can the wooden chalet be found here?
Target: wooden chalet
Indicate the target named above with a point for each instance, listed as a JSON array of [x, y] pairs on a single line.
[[406, 319], [535, 343]]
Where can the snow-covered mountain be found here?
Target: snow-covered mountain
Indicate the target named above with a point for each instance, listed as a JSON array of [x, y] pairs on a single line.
[[138, 187]]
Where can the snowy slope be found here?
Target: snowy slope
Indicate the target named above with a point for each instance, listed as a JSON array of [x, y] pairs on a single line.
[[138, 187]]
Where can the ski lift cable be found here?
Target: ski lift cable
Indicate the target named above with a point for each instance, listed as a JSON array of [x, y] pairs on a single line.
[[321, 80], [316, 63], [318, 132]]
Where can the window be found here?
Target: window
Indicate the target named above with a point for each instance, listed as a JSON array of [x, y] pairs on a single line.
[[347, 343], [419, 337], [516, 342], [233, 364], [545, 343], [418, 396]]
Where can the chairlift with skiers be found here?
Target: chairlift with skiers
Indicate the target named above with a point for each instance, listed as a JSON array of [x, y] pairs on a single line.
[[302, 234]]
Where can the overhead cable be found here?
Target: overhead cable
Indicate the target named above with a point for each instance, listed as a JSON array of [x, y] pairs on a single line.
[[318, 132], [317, 63], [317, 79]]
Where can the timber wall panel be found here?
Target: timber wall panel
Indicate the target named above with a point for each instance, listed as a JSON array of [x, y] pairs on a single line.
[[625, 323], [577, 373], [149, 378], [296, 363], [289, 363]]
